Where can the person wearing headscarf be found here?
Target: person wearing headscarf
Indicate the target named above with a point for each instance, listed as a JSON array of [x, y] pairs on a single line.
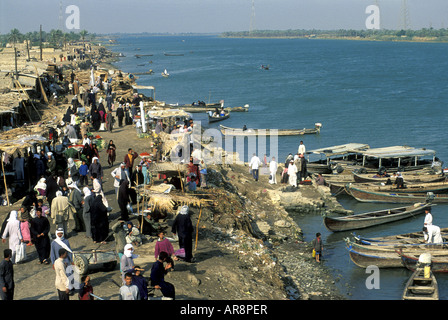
[[119, 174], [109, 121], [41, 186], [76, 199], [133, 234], [95, 167], [40, 227], [120, 115], [51, 164], [124, 199], [96, 120], [86, 153], [52, 188], [127, 260], [73, 172], [60, 211], [99, 220], [88, 201], [60, 242], [101, 110], [12, 231], [292, 172], [183, 227], [111, 152]]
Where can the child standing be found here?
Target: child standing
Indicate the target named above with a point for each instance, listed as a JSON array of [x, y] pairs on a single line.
[[83, 171], [163, 244], [318, 246]]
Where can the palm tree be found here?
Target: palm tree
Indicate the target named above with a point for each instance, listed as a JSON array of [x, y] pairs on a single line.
[[83, 34], [14, 36]]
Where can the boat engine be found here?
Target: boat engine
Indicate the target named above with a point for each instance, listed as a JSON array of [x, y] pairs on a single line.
[[430, 196]]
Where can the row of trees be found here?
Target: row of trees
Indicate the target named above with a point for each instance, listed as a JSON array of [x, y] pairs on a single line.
[[54, 38], [434, 34]]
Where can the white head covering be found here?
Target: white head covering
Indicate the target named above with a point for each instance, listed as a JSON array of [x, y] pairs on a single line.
[[70, 162], [49, 153], [128, 250], [59, 240], [41, 184], [94, 158], [58, 193], [184, 210], [86, 192], [13, 215]]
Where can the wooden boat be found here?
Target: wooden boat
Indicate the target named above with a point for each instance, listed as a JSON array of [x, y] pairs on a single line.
[[143, 55], [396, 158], [313, 167], [404, 238], [434, 187], [363, 195], [173, 54], [387, 256], [439, 263], [408, 178], [420, 288], [381, 260], [374, 218], [279, 132], [218, 117]]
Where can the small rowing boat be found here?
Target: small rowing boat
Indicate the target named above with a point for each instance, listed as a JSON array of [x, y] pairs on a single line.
[[419, 287], [414, 177], [398, 196], [267, 132], [218, 117], [373, 218]]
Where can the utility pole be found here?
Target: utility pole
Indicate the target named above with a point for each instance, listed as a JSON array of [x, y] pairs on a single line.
[[252, 18], [15, 60], [404, 15], [40, 45]]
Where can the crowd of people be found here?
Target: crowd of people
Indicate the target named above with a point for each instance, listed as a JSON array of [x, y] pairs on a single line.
[[67, 183]]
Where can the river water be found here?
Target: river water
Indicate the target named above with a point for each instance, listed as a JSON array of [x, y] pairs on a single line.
[[378, 93]]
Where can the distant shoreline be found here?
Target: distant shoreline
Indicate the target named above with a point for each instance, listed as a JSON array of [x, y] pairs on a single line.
[[419, 40]]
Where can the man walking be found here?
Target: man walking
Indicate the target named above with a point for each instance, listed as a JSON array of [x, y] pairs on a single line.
[[40, 227], [62, 281], [60, 211], [254, 164], [129, 159], [7, 276]]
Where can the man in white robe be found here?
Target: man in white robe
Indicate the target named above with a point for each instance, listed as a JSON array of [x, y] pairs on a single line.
[[18, 166], [432, 234], [428, 218], [12, 231], [292, 172], [273, 166], [302, 148]]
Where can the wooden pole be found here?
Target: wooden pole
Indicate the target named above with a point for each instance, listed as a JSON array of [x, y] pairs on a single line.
[[197, 228], [40, 45], [4, 178], [42, 90], [181, 181], [35, 109], [15, 61]]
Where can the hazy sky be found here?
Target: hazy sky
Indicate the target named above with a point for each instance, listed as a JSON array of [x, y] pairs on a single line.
[[205, 16]]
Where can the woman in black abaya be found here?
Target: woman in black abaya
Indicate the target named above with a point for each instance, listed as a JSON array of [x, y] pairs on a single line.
[[99, 220]]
